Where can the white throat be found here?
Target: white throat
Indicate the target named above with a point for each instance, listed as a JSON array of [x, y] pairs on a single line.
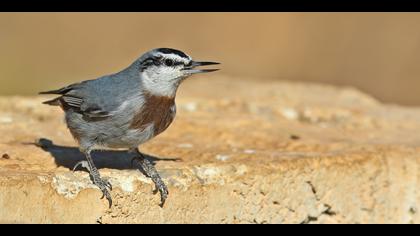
[[159, 85]]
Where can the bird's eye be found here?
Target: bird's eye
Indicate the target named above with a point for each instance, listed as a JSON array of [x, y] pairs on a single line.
[[169, 62]]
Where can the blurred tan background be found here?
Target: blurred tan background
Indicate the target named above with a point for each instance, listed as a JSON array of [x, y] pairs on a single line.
[[378, 53]]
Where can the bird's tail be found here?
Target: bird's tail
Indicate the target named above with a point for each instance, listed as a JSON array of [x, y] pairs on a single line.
[[53, 102]]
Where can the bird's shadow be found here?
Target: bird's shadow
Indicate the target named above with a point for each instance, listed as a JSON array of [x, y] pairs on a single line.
[[68, 156]]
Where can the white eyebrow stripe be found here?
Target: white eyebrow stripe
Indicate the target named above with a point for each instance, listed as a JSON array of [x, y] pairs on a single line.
[[176, 57]]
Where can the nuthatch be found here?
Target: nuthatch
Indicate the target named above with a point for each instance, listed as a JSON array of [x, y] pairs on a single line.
[[126, 109]]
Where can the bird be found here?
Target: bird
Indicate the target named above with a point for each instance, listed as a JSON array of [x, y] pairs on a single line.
[[126, 109]]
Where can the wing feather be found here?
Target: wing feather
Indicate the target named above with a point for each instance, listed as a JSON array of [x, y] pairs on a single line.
[[72, 98]]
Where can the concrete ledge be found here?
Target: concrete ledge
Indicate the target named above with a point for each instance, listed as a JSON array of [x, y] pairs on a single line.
[[238, 152]]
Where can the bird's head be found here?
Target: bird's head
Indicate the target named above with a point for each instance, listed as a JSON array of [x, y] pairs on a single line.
[[163, 69]]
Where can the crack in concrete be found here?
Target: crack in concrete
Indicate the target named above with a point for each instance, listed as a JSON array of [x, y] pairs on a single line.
[[328, 209], [313, 189]]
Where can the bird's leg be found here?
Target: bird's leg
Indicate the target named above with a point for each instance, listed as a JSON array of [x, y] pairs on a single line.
[[152, 173], [103, 185]]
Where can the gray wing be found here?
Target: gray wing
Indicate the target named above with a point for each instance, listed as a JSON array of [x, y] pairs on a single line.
[[93, 98]]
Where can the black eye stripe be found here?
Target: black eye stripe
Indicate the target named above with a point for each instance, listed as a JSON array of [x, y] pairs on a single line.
[[171, 62], [159, 61]]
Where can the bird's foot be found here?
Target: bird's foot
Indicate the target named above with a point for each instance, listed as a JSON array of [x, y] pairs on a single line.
[[152, 173], [161, 187], [104, 185]]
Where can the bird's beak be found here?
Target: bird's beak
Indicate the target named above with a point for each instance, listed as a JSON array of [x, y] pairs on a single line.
[[190, 69]]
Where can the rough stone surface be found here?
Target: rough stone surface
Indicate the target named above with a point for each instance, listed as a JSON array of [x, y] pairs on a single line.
[[237, 152]]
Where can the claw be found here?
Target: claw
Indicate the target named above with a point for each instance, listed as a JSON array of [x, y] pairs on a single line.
[[83, 164], [103, 185], [109, 201], [162, 202], [163, 197], [109, 185], [161, 187], [105, 193]]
